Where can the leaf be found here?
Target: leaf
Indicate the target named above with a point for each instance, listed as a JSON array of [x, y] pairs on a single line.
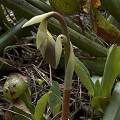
[[58, 49], [41, 105], [112, 112], [65, 6], [111, 71], [37, 19], [69, 70], [57, 109], [54, 98], [99, 103], [105, 29], [95, 3], [84, 76], [112, 7], [27, 100], [97, 88]]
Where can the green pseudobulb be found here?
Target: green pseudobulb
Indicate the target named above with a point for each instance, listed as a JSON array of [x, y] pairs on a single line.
[[65, 6], [14, 87]]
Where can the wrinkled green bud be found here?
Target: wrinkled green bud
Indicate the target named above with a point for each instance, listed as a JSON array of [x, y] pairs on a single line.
[[14, 87]]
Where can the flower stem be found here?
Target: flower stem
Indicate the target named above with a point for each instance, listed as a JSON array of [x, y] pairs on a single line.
[[66, 93], [65, 106]]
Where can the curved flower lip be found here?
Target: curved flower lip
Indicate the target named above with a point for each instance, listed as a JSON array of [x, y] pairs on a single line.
[[37, 19]]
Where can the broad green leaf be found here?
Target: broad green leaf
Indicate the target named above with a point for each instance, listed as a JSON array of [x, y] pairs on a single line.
[[100, 103], [58, 49], [111, 71], [41, 105], [69, 70], [65, 6], [54, 98], [84, 76], [105, 29], [37, 19], [112, 112]]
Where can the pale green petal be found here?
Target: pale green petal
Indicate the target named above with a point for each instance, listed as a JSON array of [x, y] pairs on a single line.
[[50, 54], [37, 19], [58, 49], [43, 48], [41, 34], [50, 38]]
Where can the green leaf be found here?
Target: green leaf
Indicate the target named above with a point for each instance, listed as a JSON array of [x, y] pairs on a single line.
[[41, 105], [58, 49], [65, 6], [105, 29], [99, 103], [27, 100], [112, 112], [84, 76], [111, 71], [37, 19], [40, 81], [97, 88], [57, 109], [69, 70], [113, 7], [54, 98]]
